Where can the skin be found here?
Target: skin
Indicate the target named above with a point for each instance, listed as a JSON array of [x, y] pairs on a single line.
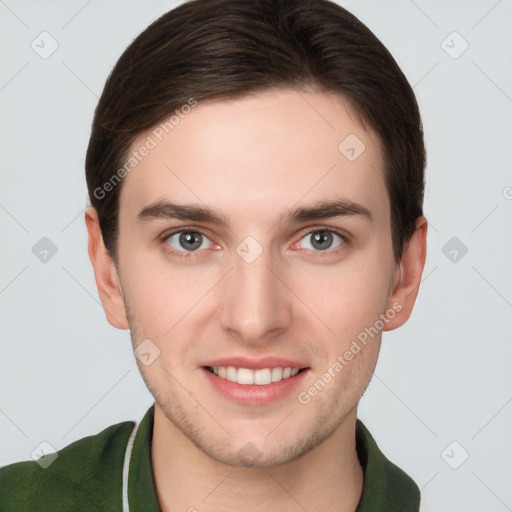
[[253, 159]]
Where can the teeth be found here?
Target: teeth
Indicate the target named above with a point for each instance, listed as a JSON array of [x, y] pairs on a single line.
[[277, 374], [260, 377], [231, 373], [263, 377], [245, 376]]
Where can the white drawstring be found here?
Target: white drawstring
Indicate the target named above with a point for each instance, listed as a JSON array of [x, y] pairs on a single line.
[[126, 467]]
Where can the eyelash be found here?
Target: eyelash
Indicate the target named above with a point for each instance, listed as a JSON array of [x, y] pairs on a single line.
[[191, 254]]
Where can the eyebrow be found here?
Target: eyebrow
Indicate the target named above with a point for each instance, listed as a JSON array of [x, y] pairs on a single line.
[[196, 213]]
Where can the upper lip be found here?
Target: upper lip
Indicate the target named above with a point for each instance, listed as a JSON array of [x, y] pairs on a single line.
[[255, 363]]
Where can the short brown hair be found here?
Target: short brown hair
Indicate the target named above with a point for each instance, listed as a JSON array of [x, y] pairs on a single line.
[[220, 49]]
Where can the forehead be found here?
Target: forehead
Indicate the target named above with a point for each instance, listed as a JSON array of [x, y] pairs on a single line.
[[257, 155]]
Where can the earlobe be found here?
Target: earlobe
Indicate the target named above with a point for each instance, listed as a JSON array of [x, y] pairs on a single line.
[[105, 273], [408, 276]]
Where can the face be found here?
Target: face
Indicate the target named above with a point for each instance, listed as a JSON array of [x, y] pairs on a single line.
[[255, 253]]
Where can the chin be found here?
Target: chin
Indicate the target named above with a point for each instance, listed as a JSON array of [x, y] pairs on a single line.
[[250, 456]]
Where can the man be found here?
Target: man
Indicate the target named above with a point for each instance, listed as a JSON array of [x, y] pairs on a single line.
[[256, 178]]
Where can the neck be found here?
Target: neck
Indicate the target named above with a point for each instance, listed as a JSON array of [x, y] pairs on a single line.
[[327, 478]]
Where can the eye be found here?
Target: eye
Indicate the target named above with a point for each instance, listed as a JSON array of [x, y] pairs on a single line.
[[322, 239], [188, 241]]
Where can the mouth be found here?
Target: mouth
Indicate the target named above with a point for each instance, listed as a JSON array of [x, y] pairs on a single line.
[[260, 377], [266, 382]]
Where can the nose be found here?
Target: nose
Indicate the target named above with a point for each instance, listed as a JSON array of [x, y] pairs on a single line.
[[255, 305]]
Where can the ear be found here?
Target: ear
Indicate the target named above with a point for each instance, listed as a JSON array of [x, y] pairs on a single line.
[[408, 276], [105, 273]]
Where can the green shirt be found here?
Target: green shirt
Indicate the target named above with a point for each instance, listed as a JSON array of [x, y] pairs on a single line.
[[111, 471]]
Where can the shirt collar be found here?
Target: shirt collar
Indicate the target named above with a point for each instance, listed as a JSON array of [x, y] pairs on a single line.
[[386, 487], [141, 485]]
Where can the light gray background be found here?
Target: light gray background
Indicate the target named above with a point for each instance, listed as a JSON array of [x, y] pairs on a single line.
[[444, 377]]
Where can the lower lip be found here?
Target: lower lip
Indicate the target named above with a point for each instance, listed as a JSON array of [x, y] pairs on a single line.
[[254, 394]]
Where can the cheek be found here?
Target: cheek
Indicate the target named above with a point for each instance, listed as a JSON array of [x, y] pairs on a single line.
[[159, 304], [162, 295], [348, 298]]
